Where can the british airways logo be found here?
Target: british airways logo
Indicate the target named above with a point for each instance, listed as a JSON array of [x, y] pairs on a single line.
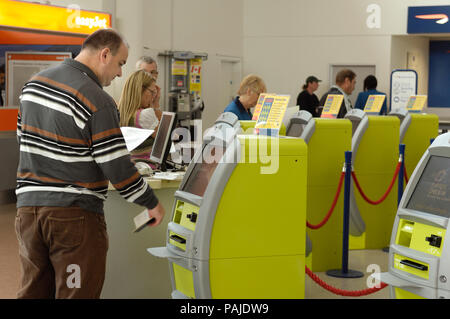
[[441, 18], [431, 19]]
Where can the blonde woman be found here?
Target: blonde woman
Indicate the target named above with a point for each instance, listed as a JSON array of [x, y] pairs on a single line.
[[250, 89], [135, 107]]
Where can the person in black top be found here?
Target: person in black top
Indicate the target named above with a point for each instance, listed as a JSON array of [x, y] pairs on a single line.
[[307, 100]]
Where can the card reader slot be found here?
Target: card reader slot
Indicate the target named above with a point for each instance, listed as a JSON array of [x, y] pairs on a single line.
[[178, 239], [414, 265]]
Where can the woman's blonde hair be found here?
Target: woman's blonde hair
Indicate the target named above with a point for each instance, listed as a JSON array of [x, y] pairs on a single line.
[[252, 82], [130, 99]]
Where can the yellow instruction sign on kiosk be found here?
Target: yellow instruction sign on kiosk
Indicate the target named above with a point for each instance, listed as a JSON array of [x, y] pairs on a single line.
[[272, 112], [416, 103], [332, 105], [374, 104], [259, 105]]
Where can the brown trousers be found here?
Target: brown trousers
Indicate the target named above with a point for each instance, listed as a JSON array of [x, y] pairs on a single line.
[[62, 252]]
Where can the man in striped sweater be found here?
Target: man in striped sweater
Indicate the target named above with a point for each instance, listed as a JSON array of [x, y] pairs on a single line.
[[71, 146]]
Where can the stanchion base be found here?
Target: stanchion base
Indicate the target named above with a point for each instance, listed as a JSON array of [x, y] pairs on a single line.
[[340, 274], [385, 249]]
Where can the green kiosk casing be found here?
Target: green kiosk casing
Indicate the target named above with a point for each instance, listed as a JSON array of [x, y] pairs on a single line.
[[238, 223], [328, 140], [419, 254], [375, 154], [416, 131]]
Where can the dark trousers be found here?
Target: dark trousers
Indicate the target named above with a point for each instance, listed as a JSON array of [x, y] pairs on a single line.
[[62, 252]]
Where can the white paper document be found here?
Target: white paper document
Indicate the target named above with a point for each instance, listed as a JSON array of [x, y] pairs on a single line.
[[135, 136], [171, 176]]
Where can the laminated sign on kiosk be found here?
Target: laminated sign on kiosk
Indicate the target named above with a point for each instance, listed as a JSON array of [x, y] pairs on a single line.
[[259, 105], [332, 105], [419, 254], [374, 104], [275, 105], [271, 115], [222, 244], [416, 103]]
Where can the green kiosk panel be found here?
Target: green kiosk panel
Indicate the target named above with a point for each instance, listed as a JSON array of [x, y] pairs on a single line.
[[238, 223], [375, 153], [419, 254], [328, 140], [416, 131]]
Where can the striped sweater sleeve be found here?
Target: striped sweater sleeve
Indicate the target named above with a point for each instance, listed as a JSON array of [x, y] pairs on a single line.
[[111, 155]]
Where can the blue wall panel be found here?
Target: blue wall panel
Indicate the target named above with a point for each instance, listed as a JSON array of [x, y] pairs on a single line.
[[439, 74]]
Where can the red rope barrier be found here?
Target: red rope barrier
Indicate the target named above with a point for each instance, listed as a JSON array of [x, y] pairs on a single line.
[[333, 205], [341, 292], [397, 170], [404, 174]]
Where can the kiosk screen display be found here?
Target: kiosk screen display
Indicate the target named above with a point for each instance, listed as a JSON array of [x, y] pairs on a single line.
[[295, 130], [201, 173], [432, 192]]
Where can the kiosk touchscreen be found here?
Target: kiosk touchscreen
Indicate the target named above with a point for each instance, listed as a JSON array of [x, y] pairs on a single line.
[[419, 254], [163, 141], [302, 125], [328, 140], [375, 154], [238, 223]]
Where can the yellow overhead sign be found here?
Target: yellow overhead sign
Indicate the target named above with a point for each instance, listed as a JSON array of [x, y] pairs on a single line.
[[18, 14]]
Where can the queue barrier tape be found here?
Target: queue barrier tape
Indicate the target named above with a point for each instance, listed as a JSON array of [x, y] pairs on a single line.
[[333, 205], [404, 173], [341, 180], [376, 202], [342, 292]]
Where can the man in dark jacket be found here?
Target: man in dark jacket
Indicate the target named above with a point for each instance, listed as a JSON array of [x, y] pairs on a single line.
[[345, 84]]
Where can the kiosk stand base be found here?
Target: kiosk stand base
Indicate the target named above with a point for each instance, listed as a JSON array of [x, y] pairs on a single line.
[[339, 273]]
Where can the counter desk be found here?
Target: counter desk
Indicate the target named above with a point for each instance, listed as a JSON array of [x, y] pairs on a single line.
[[9, 159], [130, 271]]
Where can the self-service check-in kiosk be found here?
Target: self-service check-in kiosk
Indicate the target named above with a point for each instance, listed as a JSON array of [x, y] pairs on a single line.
[[419, 254], [328, 140], [416, 131], [238, 223], [375, 154]]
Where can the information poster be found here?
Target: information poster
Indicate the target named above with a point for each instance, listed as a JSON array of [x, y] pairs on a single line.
[[195, 76], [374, 104], [332, 106], [21, 66], [403, 85], [416, 103], [179, 67], [272, 113]]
